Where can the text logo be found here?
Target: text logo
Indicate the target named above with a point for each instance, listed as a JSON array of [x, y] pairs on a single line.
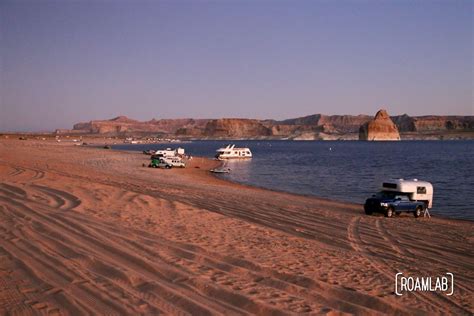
[[405, 284]]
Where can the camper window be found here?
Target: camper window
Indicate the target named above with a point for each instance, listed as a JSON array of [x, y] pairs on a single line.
[[421, 190], [390, 185]]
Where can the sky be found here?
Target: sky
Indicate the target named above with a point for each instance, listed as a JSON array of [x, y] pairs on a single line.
[[62, 62]]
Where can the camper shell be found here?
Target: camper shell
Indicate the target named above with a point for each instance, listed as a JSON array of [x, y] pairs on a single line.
[[416, 190], [168, 152]]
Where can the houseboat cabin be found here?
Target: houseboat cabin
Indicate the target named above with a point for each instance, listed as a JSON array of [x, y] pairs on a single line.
[[231, 152]]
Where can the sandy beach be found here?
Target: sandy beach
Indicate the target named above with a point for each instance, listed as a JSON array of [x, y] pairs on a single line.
[[89, 230]]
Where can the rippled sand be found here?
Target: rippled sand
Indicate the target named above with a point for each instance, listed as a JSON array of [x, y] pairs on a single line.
[[89, 230]]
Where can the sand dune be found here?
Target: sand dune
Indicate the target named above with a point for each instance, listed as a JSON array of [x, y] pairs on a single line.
[[86, 230]]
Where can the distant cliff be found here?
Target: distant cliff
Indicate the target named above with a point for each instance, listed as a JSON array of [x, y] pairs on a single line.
[[310, 127], [123, 126], [428, 123]]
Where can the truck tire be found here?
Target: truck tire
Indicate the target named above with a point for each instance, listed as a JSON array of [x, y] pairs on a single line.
[[389, 212], [418, 211]]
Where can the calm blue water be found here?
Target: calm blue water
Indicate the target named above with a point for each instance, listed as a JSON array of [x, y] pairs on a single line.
[[351, 170]]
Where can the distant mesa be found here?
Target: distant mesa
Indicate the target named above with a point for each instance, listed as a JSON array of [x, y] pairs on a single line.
[[123, 119], [311, 127], [238, 128], [380, 128]]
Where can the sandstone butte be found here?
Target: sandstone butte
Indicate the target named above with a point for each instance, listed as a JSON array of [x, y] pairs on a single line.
[[317, 126], [380, 128]]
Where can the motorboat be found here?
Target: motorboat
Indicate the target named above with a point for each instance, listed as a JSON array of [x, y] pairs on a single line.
[[231, 152], [220, 170]]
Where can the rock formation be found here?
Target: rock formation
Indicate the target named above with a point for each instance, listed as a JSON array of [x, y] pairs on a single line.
[[123, 126], [236, 128], [316, 127], [227, 128], [380, 128], [339, 123]]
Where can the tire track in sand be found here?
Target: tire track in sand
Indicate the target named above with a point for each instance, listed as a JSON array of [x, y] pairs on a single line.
[[413, 264], [161, 276], [385, 268]]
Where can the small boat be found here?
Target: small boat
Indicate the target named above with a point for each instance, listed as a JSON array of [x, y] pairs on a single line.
[[220, 170], [231, 152]]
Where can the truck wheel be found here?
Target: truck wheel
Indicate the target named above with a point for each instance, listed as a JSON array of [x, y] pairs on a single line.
[[389, 212], [418, 211]]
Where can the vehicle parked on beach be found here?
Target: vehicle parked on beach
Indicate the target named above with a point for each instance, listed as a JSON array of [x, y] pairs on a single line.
[[399, 195], [168, 152], [160, 163], [175, 161], [231, 152]]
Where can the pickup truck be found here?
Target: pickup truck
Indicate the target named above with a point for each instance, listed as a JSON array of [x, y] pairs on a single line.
[[160, 163], [391, 203]]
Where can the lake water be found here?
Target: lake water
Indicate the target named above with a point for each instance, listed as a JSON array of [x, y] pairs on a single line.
[[351, 170]]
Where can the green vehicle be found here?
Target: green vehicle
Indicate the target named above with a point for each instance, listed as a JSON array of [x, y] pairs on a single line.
[[159, 163]]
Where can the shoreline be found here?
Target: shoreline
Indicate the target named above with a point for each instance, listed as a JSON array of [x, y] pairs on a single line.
[[78, 223], [252, 186], [441, 135]]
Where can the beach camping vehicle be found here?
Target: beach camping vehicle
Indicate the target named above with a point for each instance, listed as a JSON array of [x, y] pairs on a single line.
[[175, 161], [231, 152], [399, 195], [416, 190], [168, 152], [160, 163]]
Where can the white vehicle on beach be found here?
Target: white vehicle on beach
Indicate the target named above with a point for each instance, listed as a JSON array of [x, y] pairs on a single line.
[[168, 152], [231, 152], [416, 190], [175, 161]]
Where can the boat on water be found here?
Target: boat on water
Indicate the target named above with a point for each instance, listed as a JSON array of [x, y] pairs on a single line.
[[231, 152], [220, 170]]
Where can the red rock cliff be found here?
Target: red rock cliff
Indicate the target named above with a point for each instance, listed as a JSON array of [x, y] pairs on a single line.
[[238, 128]]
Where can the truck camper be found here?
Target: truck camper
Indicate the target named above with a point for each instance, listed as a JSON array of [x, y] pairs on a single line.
[[400, 195]]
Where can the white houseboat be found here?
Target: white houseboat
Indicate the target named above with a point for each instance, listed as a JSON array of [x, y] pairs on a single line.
[[231, 152]]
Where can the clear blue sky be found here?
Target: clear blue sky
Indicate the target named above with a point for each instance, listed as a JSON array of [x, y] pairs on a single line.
[[69, 61]]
